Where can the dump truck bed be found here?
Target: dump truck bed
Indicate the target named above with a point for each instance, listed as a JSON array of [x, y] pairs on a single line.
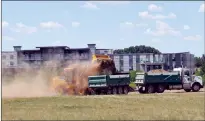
[[108, 80], [172, 78]]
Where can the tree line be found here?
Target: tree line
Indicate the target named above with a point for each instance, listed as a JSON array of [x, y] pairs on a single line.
[[200, 64], [199, 61], [137, 49]]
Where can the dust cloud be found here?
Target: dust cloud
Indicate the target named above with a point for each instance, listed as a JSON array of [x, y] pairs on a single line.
[[28, 82], [38, 83], [82, 71]]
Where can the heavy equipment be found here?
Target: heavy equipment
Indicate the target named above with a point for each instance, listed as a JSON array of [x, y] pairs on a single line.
[[158, 82], [108, 84], [74, 80], [106, 64]]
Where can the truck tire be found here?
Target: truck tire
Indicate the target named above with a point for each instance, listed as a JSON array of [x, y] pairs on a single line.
[[114, 90], [109, 92], [195, 87], [92, 92], [141, 90], [150, 89], [187, 90], [120, 91], [160, 88], [125, 90]]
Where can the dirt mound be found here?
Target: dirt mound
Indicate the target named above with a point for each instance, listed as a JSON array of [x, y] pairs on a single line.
[[158, 71], [107, 67]]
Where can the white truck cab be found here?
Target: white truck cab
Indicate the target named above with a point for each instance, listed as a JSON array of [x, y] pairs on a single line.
[[194, 84]]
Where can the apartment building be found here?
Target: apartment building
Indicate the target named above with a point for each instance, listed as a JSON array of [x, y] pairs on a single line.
[[9, 59], [175, 60], [149, 61], [61, 54], [139, 61], [123, 62]]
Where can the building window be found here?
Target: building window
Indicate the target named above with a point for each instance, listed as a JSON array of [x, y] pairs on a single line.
[[121, 69], [11, 57], [130, 59], [50, 50], [137, 59], [147, 58], [173, 57], [130, 68], [142, 58], [4, 57], [11, 63], [121, 57], [121, 63]]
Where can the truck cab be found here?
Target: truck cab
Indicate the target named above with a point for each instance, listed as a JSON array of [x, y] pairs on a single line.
[[179, 78], [190, 82]]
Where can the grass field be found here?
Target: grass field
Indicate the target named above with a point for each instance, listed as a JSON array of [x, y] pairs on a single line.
[[166, 106]]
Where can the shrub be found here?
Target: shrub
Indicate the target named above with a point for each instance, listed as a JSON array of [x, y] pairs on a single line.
[[132, 85]]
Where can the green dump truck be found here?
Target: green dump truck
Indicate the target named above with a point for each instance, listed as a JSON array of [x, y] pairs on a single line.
[[158, 82], [109, 84]]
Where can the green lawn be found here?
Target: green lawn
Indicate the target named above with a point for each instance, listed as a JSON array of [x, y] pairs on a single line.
[[166, 106]]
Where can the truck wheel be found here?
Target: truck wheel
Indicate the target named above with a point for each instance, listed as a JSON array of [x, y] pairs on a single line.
[[109, 91], [114, 90], [195, 87], [87, 92], [141, 90], [93, 92], [150, 89], [120, 91], [160, 89], [187, 90], [125, 90]]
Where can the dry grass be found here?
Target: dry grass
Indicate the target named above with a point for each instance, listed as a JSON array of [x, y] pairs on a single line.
[[166, 106]]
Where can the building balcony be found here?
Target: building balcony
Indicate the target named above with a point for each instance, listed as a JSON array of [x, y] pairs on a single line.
[[76, 58], [152, 62], [32, 58]]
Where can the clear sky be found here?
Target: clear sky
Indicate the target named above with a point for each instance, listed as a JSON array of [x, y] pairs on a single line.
[[167, 26]]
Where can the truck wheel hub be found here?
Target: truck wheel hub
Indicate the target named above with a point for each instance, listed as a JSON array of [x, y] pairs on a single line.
[[196, 87]]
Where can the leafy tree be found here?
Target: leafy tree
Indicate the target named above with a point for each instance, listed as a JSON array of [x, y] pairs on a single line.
[[198, 72], [198, 62], [137, 49], [203, 69], [132, 75]]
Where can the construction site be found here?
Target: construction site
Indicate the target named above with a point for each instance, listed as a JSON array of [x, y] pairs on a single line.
[[56, 80], [63, 93], [102, 60]]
